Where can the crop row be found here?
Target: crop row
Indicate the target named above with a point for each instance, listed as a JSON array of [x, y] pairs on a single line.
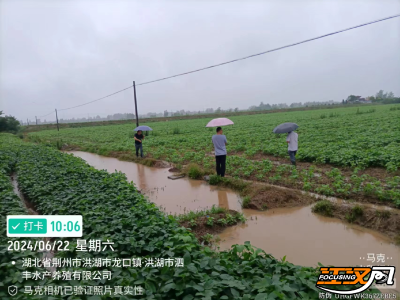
[[10, 204], [327, 181], [59, 183]]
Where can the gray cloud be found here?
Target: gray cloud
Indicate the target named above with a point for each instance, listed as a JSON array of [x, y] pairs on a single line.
[[57, 54]]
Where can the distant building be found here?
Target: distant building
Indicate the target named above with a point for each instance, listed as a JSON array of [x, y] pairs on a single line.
[[362, 100]]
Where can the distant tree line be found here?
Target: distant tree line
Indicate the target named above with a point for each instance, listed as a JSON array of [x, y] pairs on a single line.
[[385, 98], [267, 106], [380, 97], [9, 124], [120, 116]]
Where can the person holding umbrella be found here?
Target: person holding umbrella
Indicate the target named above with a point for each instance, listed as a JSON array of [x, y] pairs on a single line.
[[139, 137], [291, 139], [220, 142]]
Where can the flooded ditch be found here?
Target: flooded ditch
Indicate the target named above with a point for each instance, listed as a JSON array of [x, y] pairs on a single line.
[[304, 237], [175, 196], [31, 210], [28, 204]]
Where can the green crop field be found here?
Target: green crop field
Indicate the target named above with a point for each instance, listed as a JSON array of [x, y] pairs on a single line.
[[347, 152], [58, 183]]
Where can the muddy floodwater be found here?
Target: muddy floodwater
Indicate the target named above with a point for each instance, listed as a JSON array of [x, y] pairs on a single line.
[[304, 237], [175, 196], [307, 238]]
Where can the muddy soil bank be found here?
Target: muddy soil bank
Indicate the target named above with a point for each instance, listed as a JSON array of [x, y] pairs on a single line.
[[385, 221], [266, 197], [210, 224], [262, 196]]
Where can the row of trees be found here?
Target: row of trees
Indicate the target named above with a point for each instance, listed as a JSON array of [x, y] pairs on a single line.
[[262, 106], [8, 124], [199, 112], [120, 116], [380, 97], [386, 98], [267, 106]]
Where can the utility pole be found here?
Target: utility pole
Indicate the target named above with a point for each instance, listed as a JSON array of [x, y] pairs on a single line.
[[134, 95], [58, 129], [36, 120]]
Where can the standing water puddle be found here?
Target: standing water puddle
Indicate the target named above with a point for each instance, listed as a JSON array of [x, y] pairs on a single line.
[[305, 238], [175, 196]]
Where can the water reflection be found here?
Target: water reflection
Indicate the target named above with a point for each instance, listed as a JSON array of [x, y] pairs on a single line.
[[223, 199], [142, 177]]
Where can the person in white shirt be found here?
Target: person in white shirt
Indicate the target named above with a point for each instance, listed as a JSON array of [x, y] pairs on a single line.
[[292, 140], [220, 142]]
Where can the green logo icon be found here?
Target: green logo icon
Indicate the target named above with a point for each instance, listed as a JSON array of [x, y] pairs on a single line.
[[27, 226]]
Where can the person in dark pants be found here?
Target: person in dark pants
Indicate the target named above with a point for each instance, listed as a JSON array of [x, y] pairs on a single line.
[[292, 140], [139, 137], [220, 142]]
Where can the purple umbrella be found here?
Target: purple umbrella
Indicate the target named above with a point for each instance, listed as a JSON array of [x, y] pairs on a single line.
[[219, 122]]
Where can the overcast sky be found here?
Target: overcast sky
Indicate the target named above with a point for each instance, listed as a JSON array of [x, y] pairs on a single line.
[[57, 54]]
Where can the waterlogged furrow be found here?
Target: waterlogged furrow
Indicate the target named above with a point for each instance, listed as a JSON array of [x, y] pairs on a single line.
[[10, 204]]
